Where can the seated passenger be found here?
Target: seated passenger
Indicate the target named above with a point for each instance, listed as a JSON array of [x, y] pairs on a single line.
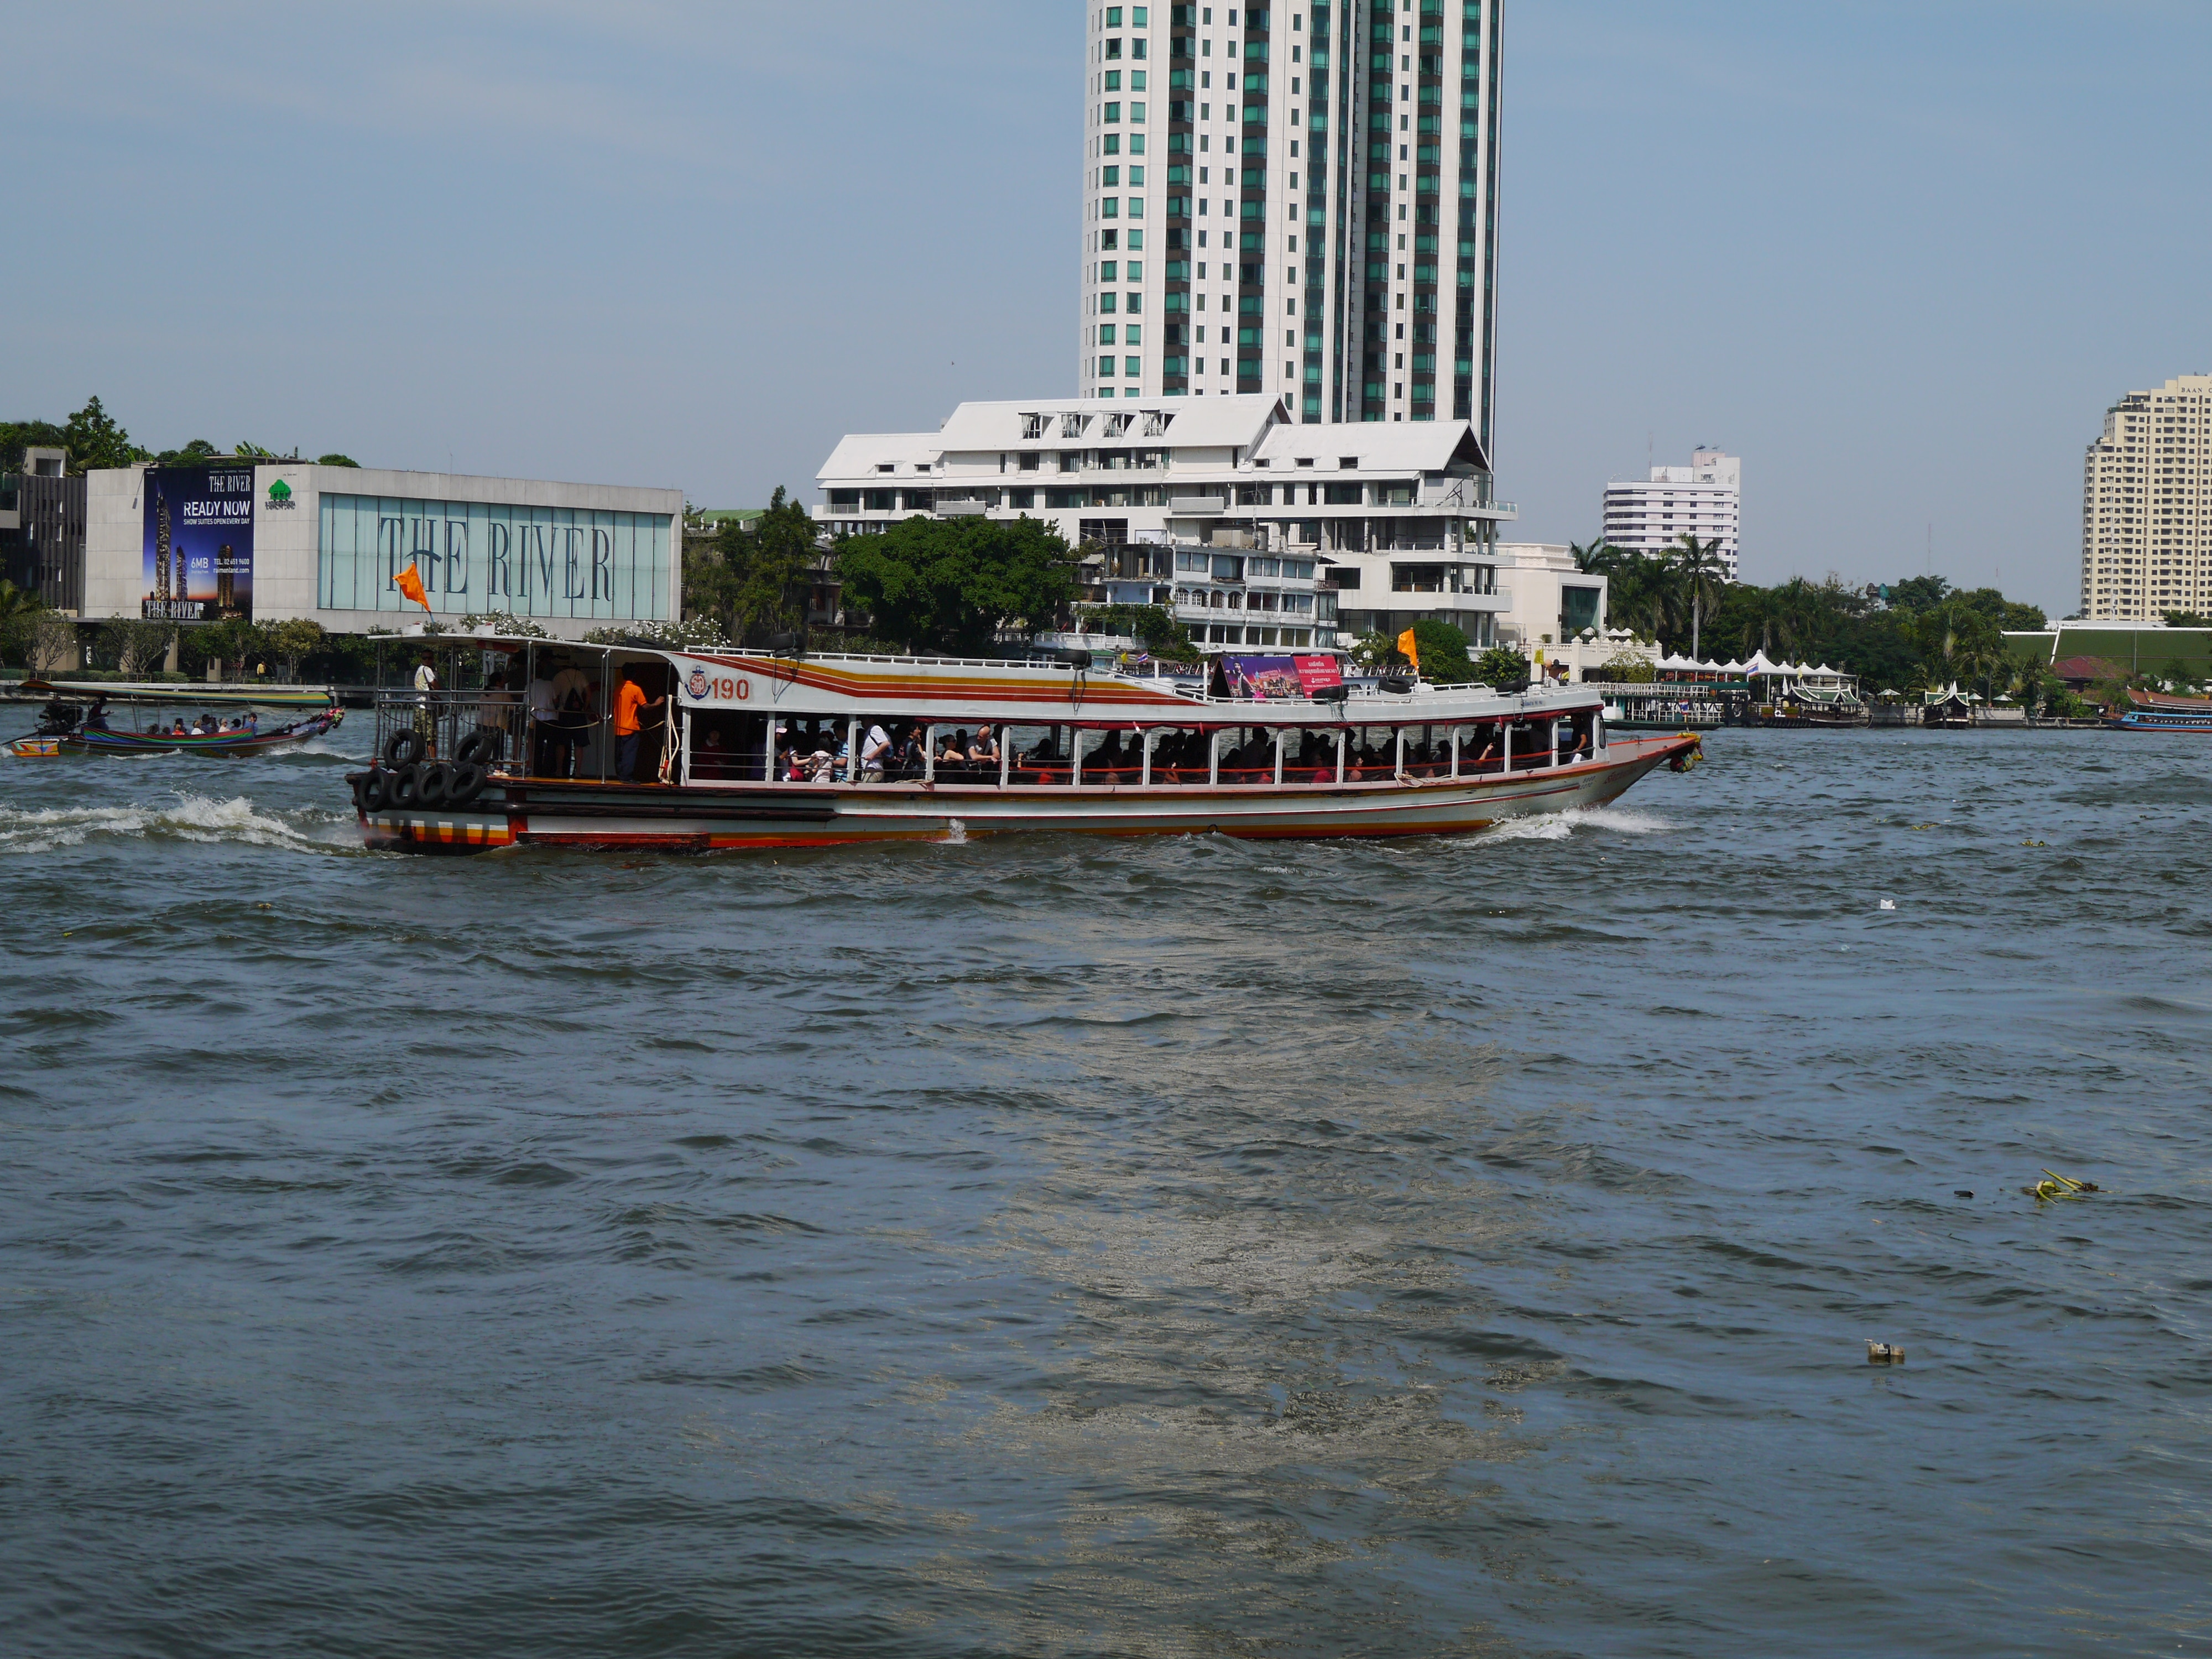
[[912, 753], [710, 760], [984, 751]]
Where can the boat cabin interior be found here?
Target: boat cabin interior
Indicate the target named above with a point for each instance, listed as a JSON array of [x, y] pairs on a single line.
[[550, 712]]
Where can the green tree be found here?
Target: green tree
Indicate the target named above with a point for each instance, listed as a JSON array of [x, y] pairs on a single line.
[[96, 440], [1377, 653], [950, 585], [1918, 593], [336, 460], [1443, 650], [1502, 669], [1152, 625], [132, 647], [772, 563], [20, 611], [291, 641]]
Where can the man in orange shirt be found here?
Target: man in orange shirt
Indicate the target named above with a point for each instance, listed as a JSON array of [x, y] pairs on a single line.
[[630, 702]]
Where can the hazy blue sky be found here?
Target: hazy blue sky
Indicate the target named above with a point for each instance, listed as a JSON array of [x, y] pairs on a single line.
[[1899, 256]]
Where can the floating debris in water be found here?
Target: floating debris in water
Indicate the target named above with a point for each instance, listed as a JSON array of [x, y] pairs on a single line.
[[2056, 1185], [2035, 844], [1962, 1192], [1889, 904], [1884, 1353]]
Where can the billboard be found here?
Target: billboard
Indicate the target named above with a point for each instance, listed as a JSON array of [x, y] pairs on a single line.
[[199, 544], [1276, 677]]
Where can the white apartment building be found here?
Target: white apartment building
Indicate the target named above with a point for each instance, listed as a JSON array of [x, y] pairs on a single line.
[[1295, 199], [1253, 528], [1704, 499], [1552, 605], [2147, 506]]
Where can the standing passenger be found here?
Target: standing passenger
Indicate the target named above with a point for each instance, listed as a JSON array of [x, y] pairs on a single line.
[[630, 702], [875, 753], [426, 720]]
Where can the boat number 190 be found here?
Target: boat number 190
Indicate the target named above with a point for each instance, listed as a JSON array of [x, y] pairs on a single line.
[[729, 691]]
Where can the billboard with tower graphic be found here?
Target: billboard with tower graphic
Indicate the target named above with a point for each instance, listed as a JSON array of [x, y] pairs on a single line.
[[199, 544]]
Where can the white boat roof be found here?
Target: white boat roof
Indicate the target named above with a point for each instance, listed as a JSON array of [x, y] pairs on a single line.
[[977, 690]]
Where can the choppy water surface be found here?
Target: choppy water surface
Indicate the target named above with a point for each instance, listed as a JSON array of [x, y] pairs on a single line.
[[1055, 1247]]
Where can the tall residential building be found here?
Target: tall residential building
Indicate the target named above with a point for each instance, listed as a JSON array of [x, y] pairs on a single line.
[[1299, 199], [1704, 499], [2147, 506]]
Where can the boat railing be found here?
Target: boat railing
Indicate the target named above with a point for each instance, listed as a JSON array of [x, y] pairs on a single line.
[[490, 725]]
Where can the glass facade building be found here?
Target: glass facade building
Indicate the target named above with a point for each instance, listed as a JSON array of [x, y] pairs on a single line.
[[1296, 200], [476, 557]]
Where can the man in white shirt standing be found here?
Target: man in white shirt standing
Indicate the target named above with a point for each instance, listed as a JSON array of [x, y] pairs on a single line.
[[426, 721], [875, 750]]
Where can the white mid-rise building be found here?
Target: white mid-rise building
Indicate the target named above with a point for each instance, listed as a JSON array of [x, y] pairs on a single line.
[[1253, 528], [2147, 506], [1704, 499], [1293, 199]]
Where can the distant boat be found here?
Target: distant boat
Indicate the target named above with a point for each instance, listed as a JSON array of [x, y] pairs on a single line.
[[2154, 711], [91, 717]]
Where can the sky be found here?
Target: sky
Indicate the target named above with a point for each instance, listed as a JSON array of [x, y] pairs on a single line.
[[1899, 256]]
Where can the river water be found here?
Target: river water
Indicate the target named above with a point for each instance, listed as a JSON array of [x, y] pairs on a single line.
[[1072, 1247]]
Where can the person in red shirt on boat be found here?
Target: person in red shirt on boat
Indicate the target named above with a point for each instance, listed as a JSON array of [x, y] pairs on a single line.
[[630, 703]]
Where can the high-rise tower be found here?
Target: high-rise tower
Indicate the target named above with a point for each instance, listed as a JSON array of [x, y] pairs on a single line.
[[2147, 506], [1294, 198]]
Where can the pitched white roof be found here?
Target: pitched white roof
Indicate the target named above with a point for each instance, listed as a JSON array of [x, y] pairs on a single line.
[[1256, 423], [1224, 423], [1380, 446], [859, 453]]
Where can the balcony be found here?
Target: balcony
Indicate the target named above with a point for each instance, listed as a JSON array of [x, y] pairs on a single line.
[[1188, 504], [961, 507]]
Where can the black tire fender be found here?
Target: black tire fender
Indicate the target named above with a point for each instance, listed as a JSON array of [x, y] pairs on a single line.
[[403, 749], [466, 783], [405, 790], [431, 784], [476, 749], [375, 790]]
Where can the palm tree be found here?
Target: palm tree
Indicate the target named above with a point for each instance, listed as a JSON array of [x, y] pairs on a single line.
[[1699, 564]]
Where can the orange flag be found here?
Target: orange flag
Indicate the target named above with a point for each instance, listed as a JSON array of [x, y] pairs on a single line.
[[409, 583], [1410, 651]]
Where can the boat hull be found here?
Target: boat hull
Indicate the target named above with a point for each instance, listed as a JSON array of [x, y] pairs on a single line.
[[557, 813]]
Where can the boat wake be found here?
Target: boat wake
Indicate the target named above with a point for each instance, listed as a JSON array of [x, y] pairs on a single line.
[[1558, 826], [187, 817]]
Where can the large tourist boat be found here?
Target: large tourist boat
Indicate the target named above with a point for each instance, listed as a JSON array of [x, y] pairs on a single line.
[[95, 717], [2155, 711], [740, 750]]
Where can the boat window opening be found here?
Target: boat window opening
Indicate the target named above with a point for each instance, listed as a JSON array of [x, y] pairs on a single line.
[[1247, 755], [1426, 752], [1373, 757], [808, 750], [1040, 754], [1309, 756], [1481, 749], [1178, 754], [724, 748], [1113, 758]]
